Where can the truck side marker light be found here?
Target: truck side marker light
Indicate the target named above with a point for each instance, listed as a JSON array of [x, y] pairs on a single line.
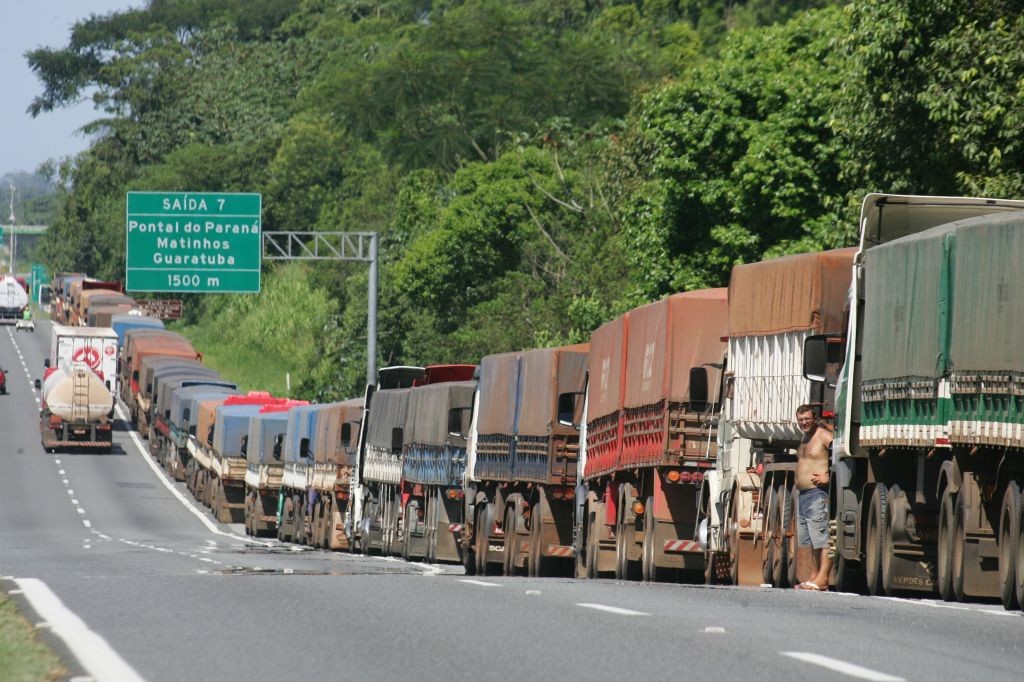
[[638, 508], [672, 476]]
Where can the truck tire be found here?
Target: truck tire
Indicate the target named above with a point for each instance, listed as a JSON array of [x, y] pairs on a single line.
[[878, 527], [1009, 532], [789, 512], [957, 555], [944, 558], [481, 537], [510, 547]]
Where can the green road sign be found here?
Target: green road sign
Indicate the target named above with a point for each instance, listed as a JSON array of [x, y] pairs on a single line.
[[1, 231], [184, 242]]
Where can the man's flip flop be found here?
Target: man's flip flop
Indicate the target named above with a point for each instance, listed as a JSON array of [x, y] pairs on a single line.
[[808, 585]]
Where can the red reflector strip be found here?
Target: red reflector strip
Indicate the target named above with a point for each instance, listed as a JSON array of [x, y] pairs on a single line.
[[455, 528], [942, 442], [682, 546], [559, 551]]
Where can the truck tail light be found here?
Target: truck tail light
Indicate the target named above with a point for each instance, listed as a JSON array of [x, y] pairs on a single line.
[[455, 494], [672, 476], [557, 493], [697, 477], [685, 477], [570, 494], [638, 508]]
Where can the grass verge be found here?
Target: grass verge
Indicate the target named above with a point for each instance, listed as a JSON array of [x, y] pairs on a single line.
[[252, 369], [23, 658]]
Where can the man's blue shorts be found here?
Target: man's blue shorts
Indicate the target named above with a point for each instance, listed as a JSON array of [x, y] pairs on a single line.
[[812, 518]]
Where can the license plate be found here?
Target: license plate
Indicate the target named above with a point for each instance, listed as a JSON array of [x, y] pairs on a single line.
[[79, 432]]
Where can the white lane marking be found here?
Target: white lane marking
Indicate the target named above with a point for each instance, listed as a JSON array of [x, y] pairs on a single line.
[[65, 481], [843, 667], [56, 461], [613, 609], [141, 450], [428, 569], [533, 592], [80, 510], [14, 591], [714, 630], [91, 650], [87, 523], [71, 492], [74, 501], [62, 472], [956, 607], [481, 583]]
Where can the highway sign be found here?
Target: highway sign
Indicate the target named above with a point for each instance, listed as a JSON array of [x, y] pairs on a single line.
[[185, 242]]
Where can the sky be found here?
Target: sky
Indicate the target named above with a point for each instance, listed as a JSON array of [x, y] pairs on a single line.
[[27, 24]]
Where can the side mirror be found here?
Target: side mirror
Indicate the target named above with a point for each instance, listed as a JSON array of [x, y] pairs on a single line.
[[823, 356], [396, 439], [149, 389], [567, 404], [698, 389], [46, 363], [278, 443], [209, 436], [245, 445], [186, 414], [304, 448], [38, 384]]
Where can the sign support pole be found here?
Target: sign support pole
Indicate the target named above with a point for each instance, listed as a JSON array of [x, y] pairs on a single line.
[[371, 316]]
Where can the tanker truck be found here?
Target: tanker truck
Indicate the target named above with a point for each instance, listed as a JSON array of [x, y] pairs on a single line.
[[13, 299], [76, 409]]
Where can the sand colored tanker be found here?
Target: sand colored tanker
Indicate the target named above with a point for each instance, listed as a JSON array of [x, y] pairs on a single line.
[[76, 409]]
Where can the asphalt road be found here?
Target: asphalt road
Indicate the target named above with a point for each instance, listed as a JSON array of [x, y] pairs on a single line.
[[177, 596]]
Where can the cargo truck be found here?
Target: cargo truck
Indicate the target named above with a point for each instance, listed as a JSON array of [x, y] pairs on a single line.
[[226, 426], [377, 506], [334, 460], [749, 499], [433, 464], [522, 464], [927, 457], [160, 435], [651, 437], [296, 497], [264, 469], [142, 344], [176, 457]]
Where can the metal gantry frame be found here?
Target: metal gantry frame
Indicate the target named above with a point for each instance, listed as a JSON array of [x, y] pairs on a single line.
[[338, 246]]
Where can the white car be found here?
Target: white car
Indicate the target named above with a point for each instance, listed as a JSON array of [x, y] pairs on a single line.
[[27, 325]]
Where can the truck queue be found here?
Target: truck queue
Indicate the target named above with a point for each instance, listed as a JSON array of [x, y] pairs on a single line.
[[665, 448]]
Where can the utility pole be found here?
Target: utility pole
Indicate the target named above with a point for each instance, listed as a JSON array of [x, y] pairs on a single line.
[[11, 220]]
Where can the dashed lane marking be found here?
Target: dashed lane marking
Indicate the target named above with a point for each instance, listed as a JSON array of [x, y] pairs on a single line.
[[141, 451], [480, 583], [613, 609], [851, 669]]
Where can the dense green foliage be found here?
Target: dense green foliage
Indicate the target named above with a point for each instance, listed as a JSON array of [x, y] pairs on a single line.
[[533, 167]]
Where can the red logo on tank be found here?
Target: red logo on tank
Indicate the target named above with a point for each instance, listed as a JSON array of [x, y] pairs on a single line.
[[88, 355]]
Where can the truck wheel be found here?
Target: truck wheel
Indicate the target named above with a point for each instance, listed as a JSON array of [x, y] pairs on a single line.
[[878, 527], [789, 511], [510, 546], [1009, 531], [481, 532], [957, 574], [944, 569]]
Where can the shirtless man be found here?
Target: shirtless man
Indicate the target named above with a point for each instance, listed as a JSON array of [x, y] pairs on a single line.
[[812, 477]]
